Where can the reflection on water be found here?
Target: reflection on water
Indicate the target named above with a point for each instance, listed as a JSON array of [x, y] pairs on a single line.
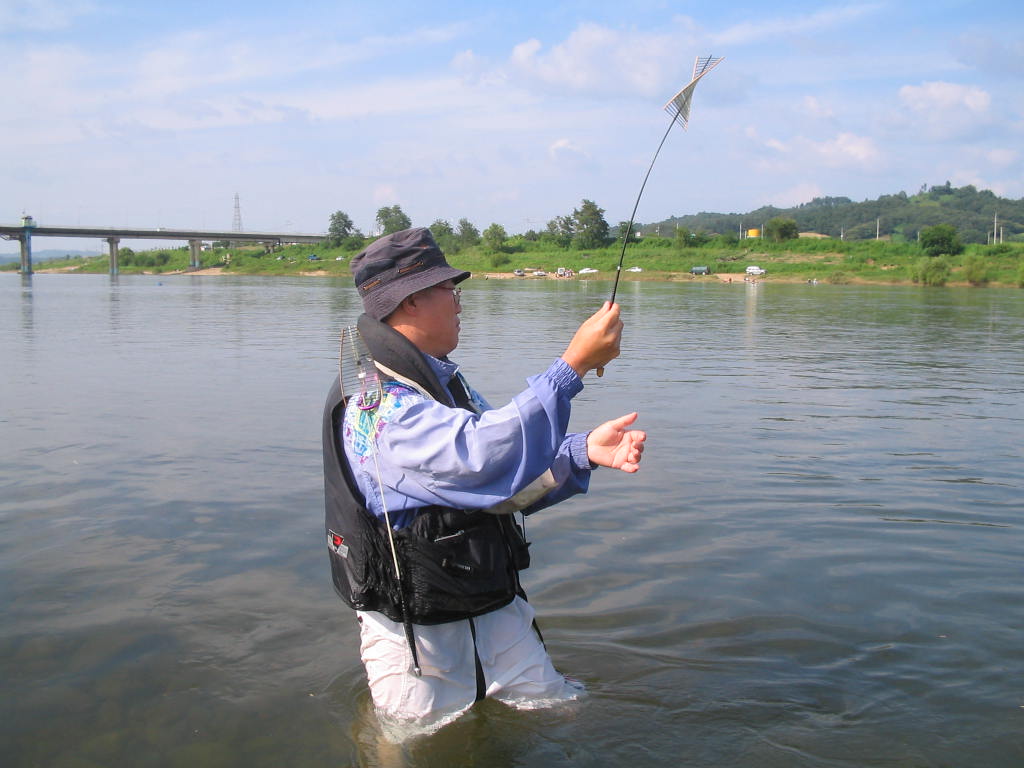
[[817, 564]]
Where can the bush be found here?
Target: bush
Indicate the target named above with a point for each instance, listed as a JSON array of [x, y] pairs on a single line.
[[1020, 276], [499, 259], [941, 240], [976, 269], [933, 271], [838, 278]]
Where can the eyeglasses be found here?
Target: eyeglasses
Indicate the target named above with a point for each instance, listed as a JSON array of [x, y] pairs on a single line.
[[456, 292]]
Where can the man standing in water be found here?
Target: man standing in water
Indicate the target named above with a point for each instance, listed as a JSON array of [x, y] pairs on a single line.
[[449, 472]]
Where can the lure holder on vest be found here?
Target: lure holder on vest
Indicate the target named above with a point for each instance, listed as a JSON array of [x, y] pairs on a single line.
[[359, 378]]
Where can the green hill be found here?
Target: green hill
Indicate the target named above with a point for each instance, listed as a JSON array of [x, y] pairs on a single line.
[[898, 217]]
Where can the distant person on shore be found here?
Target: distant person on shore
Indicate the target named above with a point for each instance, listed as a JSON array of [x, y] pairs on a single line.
[[450, 473]]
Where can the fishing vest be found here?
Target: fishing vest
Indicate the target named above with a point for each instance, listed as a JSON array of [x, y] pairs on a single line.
[[454, 563]]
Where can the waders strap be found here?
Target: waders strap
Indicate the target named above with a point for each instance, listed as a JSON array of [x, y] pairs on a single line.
[[410, 638], [536, 628], [481, 689]]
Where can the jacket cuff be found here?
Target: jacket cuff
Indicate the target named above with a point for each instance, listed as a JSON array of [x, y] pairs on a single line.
[[578, 451], [565, 379]]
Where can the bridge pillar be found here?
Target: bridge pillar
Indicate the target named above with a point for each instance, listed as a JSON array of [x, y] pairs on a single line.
[[25, 240], [195, 248], [113, 242]]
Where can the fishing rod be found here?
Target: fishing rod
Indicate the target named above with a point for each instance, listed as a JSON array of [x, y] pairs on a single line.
[[679, 107]]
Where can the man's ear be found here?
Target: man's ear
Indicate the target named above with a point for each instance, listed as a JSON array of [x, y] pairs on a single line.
[[408, 307]]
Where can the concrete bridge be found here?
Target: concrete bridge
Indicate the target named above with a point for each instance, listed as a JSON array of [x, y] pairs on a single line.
[[28, 229]]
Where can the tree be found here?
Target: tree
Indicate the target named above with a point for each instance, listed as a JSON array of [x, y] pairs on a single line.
[[780, 228], [339, 228], [445, 236], [560, 231], [392, 219], [941, 239], [620, 232], [468, 234], [495, 237], [591, 227], [683, 238]]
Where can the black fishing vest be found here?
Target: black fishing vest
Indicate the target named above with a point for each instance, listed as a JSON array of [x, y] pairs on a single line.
[[454, 563]]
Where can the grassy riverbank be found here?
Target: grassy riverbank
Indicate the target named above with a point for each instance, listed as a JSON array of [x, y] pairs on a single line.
[[825, 260]]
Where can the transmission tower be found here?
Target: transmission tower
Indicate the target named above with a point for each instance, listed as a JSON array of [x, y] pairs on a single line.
[[236, 223]]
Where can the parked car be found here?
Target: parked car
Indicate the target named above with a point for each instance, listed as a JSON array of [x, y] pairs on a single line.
[[700, 271], [635, 269], [313, 257], [587, 271], [518, 272], [755, 270]]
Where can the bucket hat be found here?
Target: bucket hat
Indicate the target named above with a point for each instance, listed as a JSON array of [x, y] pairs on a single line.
[[398, 265]]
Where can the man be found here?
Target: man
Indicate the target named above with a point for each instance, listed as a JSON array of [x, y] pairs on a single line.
[[443, 618]]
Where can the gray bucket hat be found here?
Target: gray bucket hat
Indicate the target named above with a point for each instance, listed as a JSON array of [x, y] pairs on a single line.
[[396, 266]]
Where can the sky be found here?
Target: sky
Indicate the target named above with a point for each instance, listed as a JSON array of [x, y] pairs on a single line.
[[145, 114]]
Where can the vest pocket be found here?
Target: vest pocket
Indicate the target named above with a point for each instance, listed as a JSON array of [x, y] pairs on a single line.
[[454, 564]]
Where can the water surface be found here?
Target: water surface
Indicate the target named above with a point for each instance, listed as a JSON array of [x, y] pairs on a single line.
[[819, 563]]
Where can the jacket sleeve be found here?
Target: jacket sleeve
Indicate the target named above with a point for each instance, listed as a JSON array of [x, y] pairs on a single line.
[[429, 453]]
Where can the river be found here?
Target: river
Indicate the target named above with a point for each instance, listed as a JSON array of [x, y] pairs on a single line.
[[819, 563]]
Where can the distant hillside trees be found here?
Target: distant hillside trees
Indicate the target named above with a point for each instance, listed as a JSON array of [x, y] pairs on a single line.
[[901, 217]]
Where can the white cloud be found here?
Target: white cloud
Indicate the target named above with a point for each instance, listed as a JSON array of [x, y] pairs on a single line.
[[599, 59], [1002, 158], [802, 192], [385, 194], [944, 111], [815, 108], [569, 160], [945, 97], [843, 150], [42, 15], [847, 149], [991, 54], [755, 31]]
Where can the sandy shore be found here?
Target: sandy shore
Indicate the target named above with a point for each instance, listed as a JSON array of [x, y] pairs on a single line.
[[724, 277]]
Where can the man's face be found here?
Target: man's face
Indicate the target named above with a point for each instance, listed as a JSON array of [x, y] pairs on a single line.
[[440, 318]]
